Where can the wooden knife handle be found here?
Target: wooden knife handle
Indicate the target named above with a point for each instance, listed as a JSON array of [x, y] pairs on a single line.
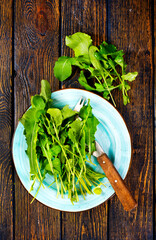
[[117, 183]]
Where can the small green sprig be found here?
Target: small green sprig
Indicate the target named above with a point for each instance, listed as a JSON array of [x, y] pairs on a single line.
[[104, 67]]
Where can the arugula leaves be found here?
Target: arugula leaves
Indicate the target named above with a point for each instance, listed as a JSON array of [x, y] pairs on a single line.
[[104, 64], [59, 143], [80, 43]]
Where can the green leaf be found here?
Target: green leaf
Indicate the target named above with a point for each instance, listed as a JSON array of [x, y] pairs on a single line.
[[74, 131], [38, 102], [56, 115], [112, 64], [63, 137], [130, 76], [44, 144], [107, 49], [67, 112], [84, 61], [93, 122], [56, 166], [82, 145], [55, 149], [83, 81], [31, 133], [86, 112], [126, 86], [126, 99], [90, 123], [95, 62], [63, 68], [99, 87], [79, 42], [45, 90], [106, 95], [28, 118], [120, 61]]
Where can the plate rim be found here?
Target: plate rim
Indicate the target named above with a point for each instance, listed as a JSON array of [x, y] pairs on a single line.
[[130, 161]]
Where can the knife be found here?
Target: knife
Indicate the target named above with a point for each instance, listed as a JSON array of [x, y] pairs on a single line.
[[114, 178]]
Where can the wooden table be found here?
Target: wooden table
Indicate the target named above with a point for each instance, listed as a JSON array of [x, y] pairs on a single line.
[[32, 37]]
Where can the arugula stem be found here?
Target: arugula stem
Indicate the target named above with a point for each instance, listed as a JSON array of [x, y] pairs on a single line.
[[81, 157], [98, 80], [82, 191], [49, 159], [57, 185], [71, 152], [36, 193], [108, 89], [62, 183], [108, 73], [51, 184], [31, 188]]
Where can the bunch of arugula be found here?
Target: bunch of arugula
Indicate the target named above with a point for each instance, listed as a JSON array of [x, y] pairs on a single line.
[[104, 64], [58, 143]]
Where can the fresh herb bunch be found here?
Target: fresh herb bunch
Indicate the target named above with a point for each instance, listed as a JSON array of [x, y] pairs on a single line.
[[105, 65], [58, 143]]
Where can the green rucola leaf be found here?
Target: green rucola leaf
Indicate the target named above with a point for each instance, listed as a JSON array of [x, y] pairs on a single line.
[[55, 150], [56, 115], [126, 86], [86, 112], [63, 68], [107, 49], [95, 62], [99, 87], [120, 61], [31, 133], [74, 131], [126, 99], [28, 118], [112, 64], [130, 76], [106, 95], [45, 90], [67, 112], [57, 165], [38, 102], [84, 61], [79, 42], [83, 81]]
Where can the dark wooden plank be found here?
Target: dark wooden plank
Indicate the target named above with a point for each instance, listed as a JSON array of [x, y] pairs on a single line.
[[91, 224], [89, 17], [6, 166], [130, 29], [154, 68], [36, 50]]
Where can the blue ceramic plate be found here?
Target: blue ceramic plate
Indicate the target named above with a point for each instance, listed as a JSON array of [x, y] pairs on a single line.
[[112, 135]]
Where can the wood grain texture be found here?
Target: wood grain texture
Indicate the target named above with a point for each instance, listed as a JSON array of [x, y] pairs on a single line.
[[38, 42], [36, 50], [90, 17], [6, 170], [154, 68], [130, 29]]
